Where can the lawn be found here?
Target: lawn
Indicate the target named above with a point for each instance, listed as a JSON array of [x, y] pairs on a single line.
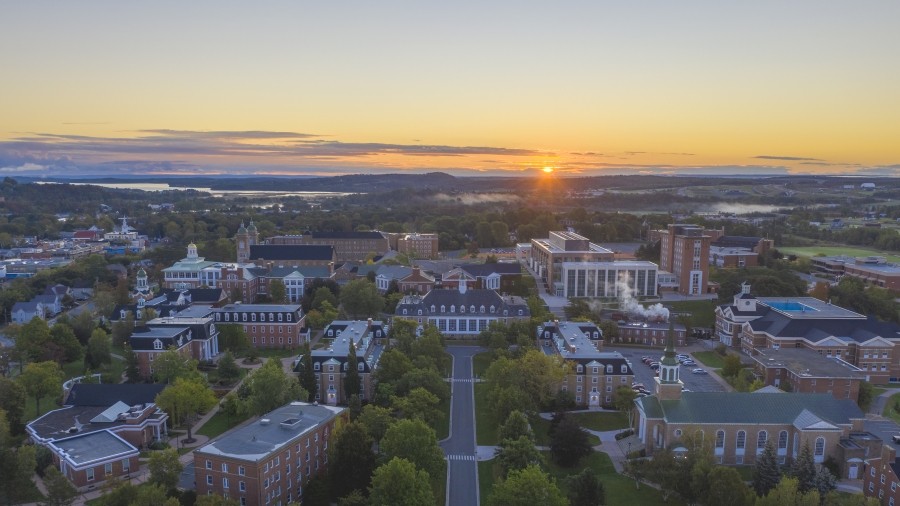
[[889, 410], [442, 427], [710, 359], [219, 423], [481, 362], [702, 311], [485, 424], [602, 421], [276, 352], [619, 489], [486, 479], [811, 251]]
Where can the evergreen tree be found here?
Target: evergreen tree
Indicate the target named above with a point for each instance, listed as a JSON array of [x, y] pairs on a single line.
[[804, 469], [60, 491], [766, 473], [516, 425], [516, 454], [354, 460], [307, 374], [351, 379], [586, 489], [569, 442], [824, 481], [229, 371], [132, 371]]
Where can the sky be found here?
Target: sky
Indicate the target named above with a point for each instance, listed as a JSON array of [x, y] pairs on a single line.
[[469, 88]]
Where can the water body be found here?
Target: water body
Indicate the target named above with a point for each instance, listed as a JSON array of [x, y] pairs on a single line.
[[160, 187]]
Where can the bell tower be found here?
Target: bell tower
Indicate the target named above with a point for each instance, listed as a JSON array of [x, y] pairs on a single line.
[[243, 244], [668, 384]]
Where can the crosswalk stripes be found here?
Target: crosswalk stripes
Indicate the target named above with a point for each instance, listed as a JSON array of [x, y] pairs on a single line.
[[460, 457]]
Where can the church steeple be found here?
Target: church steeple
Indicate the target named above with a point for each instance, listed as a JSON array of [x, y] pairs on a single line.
[[668, 385], [242, 238]]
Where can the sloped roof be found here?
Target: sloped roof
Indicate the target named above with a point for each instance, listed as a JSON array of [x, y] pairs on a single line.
[[742, 407], [111, 414], [816, 330], [106, 394], [483, 270], [291, 252]]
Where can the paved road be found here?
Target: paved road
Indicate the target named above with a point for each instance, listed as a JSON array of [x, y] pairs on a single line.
[[459, 448]]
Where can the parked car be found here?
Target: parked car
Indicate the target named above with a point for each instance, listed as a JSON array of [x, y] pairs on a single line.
[[896, 438], [682, 356], [638, 385], [689, 363], [699, 371]]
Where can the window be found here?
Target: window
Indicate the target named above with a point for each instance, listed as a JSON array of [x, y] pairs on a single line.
[[126, 465], [761, 440], [209, 479], [242, 486], [820, 448], [741, 440], [241, 470], [224, 467], [678, 432], [609, 369], [782, 440], [720, 439], [107, 469], [225, 483], [208, 464]]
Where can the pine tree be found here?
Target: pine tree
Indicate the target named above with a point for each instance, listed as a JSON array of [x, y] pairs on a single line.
[[132, 371], [804, 469], [766, 474], [307, 374], [351, 379]]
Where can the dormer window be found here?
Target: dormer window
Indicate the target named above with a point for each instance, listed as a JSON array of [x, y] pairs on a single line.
[[472, 309], [157, 344], [122, 314], [580, 369], [452, 308], [219, 317], [346, 365], [140, 302], [609, 369], [404, 310], [280, 316], [253, 317], [271, 317], [432, 308], [443, 308], [244, 316], [227, 317], [596, 335], [493, 310], [624, 369], [360, 366], [289, 317], [316, 366], [482, 309], [420, 312], [462, 309], [138, 314]]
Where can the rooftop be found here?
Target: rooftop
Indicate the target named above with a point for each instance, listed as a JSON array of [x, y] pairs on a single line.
[[806, 307], [257, 440], [807, 363], [87, 448]]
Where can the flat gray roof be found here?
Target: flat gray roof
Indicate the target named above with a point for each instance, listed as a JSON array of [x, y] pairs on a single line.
[[94, 446], [258, 439], [807, 363], [806, 307]]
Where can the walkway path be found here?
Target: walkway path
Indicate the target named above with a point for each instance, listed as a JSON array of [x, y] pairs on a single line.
[[459, 448]]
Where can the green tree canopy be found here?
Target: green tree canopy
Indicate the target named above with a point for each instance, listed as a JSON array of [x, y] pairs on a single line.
[[270, 387], [42, 379], [399, 483], [185, 399], [415, 441], [353, 462], [165, 468], [360, 299], [527, 487]]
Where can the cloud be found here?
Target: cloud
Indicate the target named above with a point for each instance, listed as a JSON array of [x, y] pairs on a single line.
[[28, 167], [788, 158]]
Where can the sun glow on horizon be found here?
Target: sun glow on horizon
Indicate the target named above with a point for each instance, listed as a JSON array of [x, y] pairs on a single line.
[[547, 170]]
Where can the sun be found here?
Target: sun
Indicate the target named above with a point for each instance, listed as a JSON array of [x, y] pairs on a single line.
[[547, 170]]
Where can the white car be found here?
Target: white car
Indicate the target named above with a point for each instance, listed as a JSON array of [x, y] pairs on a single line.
[[699, 371]]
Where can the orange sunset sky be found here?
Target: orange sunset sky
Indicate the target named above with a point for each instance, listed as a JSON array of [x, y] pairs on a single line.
[[490, 88]]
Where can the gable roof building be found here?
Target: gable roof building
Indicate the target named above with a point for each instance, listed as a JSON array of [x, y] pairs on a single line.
[[462, 312]]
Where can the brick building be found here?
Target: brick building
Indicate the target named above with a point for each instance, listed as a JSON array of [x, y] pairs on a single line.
[[684, 252], [348, 246], [270, 459], [267, 325], [418, 245], [330, 364], [807, 371], [882, 477], [594, 375], [461, 313], [193, 337]]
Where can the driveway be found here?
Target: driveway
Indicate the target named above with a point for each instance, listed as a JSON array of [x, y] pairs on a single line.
[[459, 448]]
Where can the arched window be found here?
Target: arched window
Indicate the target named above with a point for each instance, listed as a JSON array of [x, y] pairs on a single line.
[[493, 310], [761, 439], [741, 440], [443, 308], [782, 440], [472, 309], [432, 308], [482, 309], [720, 439], [820, 447]]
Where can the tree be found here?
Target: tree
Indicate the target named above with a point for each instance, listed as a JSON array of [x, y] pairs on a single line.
[[586, 489], [351, 378], [360, 298], [725, 486], [429, 379], [355, 498], [307, 375], [12, 401], [625, 396], [525, 383], [60, 491], [419, 404], [270, 388], [171, 364], [431, 345], [323, 294], [766, 472], [392, 366], [122, 329], [41, 379], [515, 426], [515, 454], [99, 350], [277, 291], [165, 468], [214, 500], [16, 467], [824, 481], [132, 366], [399, 483], [787, 493], [569, 443], [63, 339], [403, 334], [866, 394], [83, 325], [32, 339], [527, 487], [184, 400], [233, 338], [228, 369], [152, 495], [376, 420], [415, 441], [354, 460], [804, 469], [731, 366]]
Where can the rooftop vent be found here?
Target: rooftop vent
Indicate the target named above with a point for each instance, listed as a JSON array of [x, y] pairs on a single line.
[[291, 423]]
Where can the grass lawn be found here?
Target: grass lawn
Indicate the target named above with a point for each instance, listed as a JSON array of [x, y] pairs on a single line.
[[889, 410], [710, 359], [602, 421], [811, 251], [485, 424], [276, 352], [481, 362], [486, 478], [702, 311], [442, 427], [218, 423]]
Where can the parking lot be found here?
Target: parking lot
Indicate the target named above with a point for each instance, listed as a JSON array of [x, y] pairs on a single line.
[[643, 373]]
